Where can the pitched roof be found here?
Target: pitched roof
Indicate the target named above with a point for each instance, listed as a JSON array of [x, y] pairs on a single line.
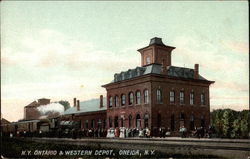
[[4, 121], [92, 105], [32, 104], [172, 71]]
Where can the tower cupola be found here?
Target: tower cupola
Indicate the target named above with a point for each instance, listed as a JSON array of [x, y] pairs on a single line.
[[156, 52]]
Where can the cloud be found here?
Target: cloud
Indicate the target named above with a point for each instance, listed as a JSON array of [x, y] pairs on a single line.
[[51, 49], [236, 46]]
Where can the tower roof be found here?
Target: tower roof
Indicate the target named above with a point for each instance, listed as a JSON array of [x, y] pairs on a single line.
[[157, 41]]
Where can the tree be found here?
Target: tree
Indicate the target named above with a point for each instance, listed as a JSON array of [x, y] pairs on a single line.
[[229, 123], [65, 104], [227, 119]]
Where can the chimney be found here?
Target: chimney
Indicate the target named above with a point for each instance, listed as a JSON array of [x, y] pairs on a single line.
[[78, 105], [74, 102], [101, 101], [196, 71], [163, 67]]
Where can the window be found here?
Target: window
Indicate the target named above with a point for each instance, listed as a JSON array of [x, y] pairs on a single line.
[[116, 101], [92, 123], [182, 116], [159, 120], [172, 122], [146, 117], [99, 123], [123, 99], [172, 96], [192, 98], [138, 121], [146, 96], [110, 122], [202, 99], [131, 98], [110, 101], [148, 60], [203, 122], [138, 97], [116, 122], [104, 124], [158, 96], [191, 123], [86, 124], [130, 125], [121, 122], [181, 97]]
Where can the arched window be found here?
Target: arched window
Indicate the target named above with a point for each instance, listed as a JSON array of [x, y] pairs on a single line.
[[148, 60], [182, 116], [192, 98], [131, 98], [123, 99], [122, 122], [191, 122], [172, 96], [182, 119], [99, 123], [158, 120], [110, 101], [181, 97], [158, 96], [202, 122], [172, 122], [116, 122], [146, 96], [202, 99], [146, 117], [86, 124], [110, 122], [92, 123], [138, 97], [138, 121], [130, 121], [116, 101], [104, 123]]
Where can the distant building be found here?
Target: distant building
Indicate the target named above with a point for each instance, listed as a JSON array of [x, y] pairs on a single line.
[[31, 112], [90, 113]]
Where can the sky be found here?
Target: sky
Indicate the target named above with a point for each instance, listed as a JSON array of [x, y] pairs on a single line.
[[61, 49]]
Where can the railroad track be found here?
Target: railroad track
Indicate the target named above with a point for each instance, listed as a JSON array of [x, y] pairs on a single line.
[[226, 148]]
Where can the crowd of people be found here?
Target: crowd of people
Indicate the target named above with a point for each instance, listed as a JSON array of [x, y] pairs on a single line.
[[117, 132]]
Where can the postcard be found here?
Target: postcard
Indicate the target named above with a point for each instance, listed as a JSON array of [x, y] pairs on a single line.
[[125, 79]]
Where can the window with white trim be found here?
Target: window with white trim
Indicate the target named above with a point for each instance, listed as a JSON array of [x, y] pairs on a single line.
[[146, 96], [192, 98], [181, 97], [172, 97], [158, 96], [138, 97], [131, 98]]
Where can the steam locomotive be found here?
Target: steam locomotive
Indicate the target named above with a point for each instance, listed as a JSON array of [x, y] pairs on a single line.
[[53, 127]]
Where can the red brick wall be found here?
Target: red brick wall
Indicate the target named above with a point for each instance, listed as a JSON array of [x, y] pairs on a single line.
[[157, 54], [95, 116], [152, 83]]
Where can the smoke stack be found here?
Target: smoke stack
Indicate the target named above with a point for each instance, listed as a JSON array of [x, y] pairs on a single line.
[[196, 71], [163, 67], [74, 102], [78, 105], [101, 101]]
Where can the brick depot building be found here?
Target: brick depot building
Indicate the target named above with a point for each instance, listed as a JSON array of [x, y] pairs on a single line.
[[31, 112], [158, 94], [154, 95]]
